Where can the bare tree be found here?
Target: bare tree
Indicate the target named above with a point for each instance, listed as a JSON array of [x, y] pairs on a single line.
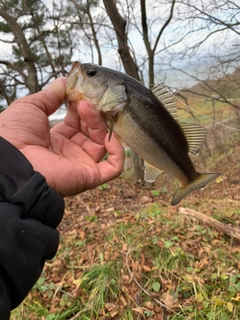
[[119, 24], [30, 77], [151, 49], [86, 9], [209, 55], [41, 45]]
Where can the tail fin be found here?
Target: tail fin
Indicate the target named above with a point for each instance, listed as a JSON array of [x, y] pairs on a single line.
[[199, 183]]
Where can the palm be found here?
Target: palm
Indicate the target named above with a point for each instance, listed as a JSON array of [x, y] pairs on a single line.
[[69, 154]]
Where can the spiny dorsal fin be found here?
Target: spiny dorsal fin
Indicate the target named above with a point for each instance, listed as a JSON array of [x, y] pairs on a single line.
[[195, 135], [165, 96], [151, 172]]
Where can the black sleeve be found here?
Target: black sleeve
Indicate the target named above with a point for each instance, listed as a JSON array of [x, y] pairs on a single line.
[[29, 214]]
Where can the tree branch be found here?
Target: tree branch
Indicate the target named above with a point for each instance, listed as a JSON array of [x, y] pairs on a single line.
[[165, 25], [230, 231]]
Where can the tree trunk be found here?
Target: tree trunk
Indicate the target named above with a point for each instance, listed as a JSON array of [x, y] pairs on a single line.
[[119, 24], [31, 79]]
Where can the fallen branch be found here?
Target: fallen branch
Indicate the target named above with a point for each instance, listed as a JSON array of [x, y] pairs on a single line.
[[232, 232]]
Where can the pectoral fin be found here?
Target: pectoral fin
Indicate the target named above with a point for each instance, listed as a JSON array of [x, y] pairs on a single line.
[[150, 172], [111, 123]]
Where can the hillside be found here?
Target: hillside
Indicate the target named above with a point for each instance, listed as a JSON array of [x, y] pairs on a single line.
[[125, 253]]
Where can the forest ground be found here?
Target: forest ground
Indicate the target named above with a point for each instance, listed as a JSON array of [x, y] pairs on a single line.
[[126, 253]]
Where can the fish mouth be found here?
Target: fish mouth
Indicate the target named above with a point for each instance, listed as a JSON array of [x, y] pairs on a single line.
[[73, 88], [74, 82]]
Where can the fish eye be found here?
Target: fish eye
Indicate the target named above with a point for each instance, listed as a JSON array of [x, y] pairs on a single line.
[[91, 71]]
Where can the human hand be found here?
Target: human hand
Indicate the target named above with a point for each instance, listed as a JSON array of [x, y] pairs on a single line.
[[69, 155]]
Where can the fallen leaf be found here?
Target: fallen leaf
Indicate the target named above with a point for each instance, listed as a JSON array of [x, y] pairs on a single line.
[[168, 300], [146, 268], [229, 306], [237, 298], [149, 305]]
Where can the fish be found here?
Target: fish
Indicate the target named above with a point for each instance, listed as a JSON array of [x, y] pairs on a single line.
[[145, 120]]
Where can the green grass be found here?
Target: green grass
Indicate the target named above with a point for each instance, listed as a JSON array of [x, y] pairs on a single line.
[[156, 256], [204, 111], [132, 260], [101, 281]]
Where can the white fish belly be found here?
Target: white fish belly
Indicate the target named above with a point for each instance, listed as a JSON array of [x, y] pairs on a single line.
[[146, 148]]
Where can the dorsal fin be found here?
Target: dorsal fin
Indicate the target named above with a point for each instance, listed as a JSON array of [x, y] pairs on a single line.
[[166, 97], [195, 135]]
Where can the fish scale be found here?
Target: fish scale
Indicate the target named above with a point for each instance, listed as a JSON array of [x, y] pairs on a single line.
[[144, 120], [150, 146]]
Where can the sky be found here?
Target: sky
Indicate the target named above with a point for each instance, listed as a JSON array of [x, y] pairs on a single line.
[[164, 71]]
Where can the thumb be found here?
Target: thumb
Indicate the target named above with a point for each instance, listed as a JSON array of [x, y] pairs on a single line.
[[53, 95], [48, 100]]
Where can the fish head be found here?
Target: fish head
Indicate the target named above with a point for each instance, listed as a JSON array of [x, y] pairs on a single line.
[[100, 86]]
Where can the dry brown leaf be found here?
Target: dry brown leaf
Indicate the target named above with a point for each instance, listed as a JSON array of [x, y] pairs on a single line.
[[112, 309], [167, 299], [145, 199], [124, 302], [158, 316], [146, 268], [149, 305]]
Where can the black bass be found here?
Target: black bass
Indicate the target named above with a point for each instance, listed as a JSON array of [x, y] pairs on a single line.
[[145, 120]]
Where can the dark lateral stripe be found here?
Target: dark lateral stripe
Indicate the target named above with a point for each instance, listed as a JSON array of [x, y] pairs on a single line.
[[165, 132]]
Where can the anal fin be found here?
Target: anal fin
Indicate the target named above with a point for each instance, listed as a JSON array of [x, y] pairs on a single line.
[[151, 172]]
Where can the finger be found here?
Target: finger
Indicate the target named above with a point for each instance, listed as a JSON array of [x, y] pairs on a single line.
[[72, 118], [53, 95], [47, 100], [76, 129], [92, 123], [70, 126], [113, 166]]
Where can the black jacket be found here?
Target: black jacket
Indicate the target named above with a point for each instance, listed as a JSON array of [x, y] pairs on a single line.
[[29, 214]]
